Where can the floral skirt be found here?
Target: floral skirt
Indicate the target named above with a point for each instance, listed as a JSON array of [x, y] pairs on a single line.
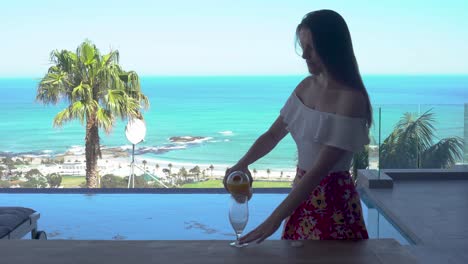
[[332, 211]]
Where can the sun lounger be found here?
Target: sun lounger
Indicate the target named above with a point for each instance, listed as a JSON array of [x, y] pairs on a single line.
[[16, 222]]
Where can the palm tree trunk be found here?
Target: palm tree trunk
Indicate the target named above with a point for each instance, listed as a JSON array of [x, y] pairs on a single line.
[[92, 152]]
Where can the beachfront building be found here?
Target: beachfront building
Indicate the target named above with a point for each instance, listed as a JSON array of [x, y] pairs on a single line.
[[73, 169], [79, 168]]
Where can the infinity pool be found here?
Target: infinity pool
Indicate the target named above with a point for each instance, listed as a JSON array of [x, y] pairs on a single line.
[[158, 216]]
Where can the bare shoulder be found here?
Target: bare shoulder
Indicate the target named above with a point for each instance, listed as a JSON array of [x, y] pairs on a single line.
[[304, 85], [353, 103]]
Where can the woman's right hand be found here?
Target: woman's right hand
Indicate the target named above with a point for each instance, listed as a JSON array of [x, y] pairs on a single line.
[[244, 169], [237, 167]]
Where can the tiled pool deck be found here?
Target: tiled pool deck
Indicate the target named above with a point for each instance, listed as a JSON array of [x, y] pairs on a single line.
[[432, 209]]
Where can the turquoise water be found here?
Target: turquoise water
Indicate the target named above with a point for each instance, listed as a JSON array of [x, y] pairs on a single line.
[[229, 112], [159, 216]]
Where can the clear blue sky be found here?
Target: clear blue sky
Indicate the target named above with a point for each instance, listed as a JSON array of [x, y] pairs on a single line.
[[232, 37]]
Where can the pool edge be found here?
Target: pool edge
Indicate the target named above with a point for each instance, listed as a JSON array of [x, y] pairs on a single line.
[[403, 229]]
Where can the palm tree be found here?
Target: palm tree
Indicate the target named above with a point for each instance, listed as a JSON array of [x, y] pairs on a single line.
[[211, 169], [254, 172], [195, 170], [170, 168], [167, 172], [97, 90], [411, 145], [157, 167], [144, 165], [268, 171], [182, 174]]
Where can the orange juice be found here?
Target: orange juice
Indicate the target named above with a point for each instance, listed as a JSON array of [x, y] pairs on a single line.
[[239, 188], [238, 184]]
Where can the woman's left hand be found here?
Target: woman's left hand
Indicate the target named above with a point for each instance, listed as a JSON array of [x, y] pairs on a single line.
[[263, 231]]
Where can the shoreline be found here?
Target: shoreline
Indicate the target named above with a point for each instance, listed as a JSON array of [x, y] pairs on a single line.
[[117, 161]]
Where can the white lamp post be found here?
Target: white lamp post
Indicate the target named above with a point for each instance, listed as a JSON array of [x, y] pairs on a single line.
[[135, 131]]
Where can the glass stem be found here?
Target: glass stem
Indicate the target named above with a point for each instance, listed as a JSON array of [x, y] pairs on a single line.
[[238, 235]]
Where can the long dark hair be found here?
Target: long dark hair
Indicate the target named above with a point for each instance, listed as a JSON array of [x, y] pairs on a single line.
[[332, 42]]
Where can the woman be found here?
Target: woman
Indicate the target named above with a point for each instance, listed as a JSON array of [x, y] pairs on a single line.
[[328, 115]]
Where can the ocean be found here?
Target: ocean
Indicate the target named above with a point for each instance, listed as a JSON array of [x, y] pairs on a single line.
[[228, 113]]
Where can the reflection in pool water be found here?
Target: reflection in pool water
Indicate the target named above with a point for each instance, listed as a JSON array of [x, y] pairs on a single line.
[[158, 216]]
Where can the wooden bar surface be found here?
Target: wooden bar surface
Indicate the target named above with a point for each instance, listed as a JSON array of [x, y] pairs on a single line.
[[201, 251]]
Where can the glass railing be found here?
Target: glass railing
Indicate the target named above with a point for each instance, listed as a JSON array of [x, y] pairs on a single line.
[[421, 136]]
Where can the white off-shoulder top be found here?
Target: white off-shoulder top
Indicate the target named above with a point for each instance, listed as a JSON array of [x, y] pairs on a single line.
[[311, 128]]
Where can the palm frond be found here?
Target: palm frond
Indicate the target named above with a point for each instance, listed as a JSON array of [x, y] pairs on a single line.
[[443, 154], [81, 92], [91, 107], [113, 101], [87, 53], [391, 153], [144, 101], [132, 87], [51, 88], [411, 145], [110, 58], [105, 119], [411, 136], [78, 110], [416, 132], [62, 117], [64, 60]]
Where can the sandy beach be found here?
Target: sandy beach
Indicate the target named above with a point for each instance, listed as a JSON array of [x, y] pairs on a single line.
[[117, 161], [74, 164]]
